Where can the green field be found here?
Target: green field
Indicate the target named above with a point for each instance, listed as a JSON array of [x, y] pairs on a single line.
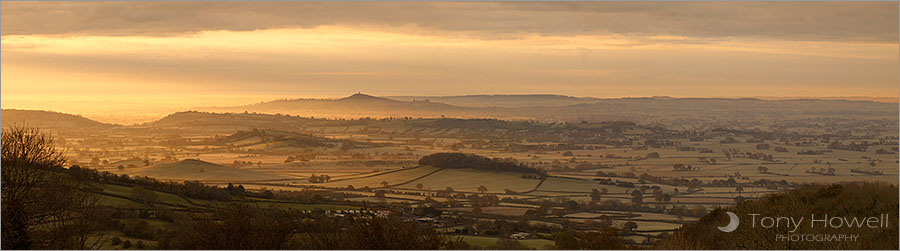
[[119, 202], [191, 169], [391, 177], [161, 197], [468, 180]]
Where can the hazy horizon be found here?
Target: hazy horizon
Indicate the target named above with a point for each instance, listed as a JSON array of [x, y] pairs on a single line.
[[131, 111]]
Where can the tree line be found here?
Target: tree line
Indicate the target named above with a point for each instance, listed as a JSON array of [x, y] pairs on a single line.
[[462, 160]]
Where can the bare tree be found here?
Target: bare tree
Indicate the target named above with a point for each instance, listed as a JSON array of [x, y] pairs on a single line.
[[43, 206]]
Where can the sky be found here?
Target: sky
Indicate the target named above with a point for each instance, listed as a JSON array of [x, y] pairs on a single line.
[[136, 61]]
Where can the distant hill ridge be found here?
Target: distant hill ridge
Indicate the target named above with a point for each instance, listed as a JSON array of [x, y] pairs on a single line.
[[559, 108], [529, 100], [46, 119], [359, 105], [501, 100]]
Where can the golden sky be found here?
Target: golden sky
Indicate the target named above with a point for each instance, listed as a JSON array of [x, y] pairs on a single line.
[[150, 58]]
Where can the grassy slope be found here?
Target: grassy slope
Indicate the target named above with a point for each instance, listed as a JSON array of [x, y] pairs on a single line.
[[843, 200], [198, 170], [113, 197], [161, 197]]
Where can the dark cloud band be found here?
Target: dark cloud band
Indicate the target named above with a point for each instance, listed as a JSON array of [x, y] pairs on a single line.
[[820, 21]]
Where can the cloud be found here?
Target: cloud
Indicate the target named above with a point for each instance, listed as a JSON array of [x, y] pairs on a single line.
[[334, 59], [797, 21]]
